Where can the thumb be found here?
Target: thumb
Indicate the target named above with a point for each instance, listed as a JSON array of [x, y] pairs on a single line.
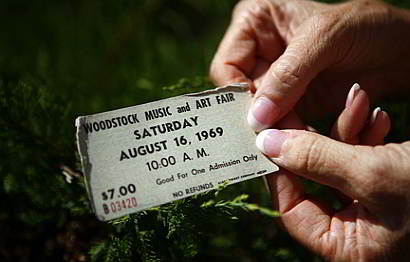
[[287, 78], [317, 158]]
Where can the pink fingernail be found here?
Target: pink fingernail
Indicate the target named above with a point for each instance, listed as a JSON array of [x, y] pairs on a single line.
[[352, 94], [262, 114], [375, 113], [270, 141]]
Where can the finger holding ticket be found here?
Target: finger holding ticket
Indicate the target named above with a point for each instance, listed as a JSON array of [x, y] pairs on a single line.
[[146, 155]]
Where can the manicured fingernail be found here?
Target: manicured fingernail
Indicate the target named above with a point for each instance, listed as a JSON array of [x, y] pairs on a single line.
[[375, 113], [262, 114], [352, 94], [270, 141]]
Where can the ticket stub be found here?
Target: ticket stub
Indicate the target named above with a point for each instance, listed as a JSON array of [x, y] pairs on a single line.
[[146, 155]]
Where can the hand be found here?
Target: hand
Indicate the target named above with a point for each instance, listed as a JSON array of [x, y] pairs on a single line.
[[375, 225], [305, 54]]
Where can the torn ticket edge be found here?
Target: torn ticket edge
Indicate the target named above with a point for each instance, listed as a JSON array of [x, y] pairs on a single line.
[[235, 87], [82, 144], [82, 137]]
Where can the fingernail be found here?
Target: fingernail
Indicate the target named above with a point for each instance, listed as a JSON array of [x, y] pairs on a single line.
[[375, 113], [262, 114], [352, 94], [270, 141]]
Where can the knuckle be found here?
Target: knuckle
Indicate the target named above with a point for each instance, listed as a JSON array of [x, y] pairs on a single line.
[[261, 17], [310, 157], [323, 24], [375, 5], [240, 6], [326, 21], [243, 8], [247, 5], [286, 71], [378, 167], [374, 172], [315, 157]]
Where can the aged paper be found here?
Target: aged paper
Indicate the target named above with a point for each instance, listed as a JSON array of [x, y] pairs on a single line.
[[146, 155]]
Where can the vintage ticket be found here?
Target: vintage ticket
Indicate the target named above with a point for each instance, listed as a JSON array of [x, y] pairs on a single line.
[[146, 155]]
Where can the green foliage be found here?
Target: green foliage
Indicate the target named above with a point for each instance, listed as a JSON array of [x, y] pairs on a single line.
[[174, 231], [35, 130], [39, 178], [227, 206], [35, 142], [184, 85]]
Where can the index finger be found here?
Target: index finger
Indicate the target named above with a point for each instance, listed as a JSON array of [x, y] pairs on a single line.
[[251, 37], [235, 58]]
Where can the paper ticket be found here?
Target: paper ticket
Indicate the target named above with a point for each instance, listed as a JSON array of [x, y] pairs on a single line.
[[147, 155]]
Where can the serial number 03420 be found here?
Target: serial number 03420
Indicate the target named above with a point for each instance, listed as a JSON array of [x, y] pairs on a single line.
[[119, 205], [114, 206]]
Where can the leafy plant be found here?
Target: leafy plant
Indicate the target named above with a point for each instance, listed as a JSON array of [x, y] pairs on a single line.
[[174, 231]]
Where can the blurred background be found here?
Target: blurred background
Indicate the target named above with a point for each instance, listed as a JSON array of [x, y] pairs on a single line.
[[107, 54], [61, 59]]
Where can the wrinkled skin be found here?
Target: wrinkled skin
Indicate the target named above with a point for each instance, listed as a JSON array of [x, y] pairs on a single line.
[[304, 56], [315, 52]]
